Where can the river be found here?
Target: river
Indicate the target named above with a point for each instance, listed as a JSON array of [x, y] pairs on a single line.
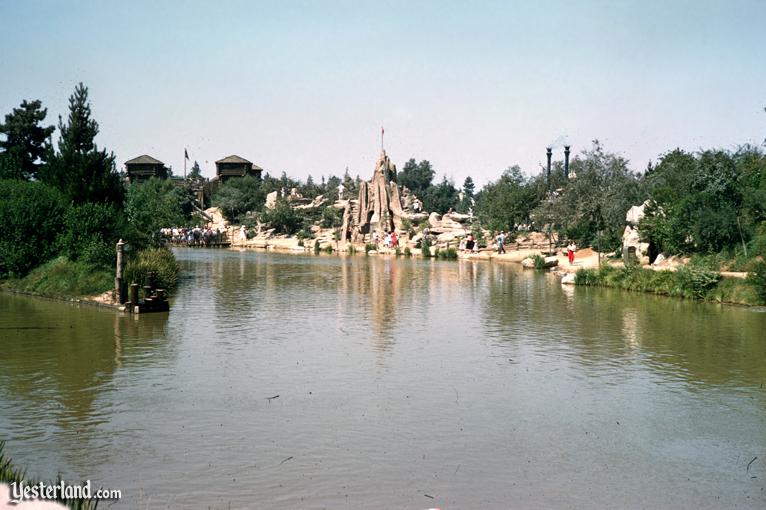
[[401, 383]]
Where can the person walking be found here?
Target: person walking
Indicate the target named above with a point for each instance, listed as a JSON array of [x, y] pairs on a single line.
[[571, 248], [500, 242]]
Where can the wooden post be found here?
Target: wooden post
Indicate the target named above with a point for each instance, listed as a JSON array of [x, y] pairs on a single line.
[[119, 284], [134, 294]]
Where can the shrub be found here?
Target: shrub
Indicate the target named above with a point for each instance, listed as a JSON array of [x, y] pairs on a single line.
[[398, 252], [159, 261], [407, 251], [448, 254], [328, 248], [64, 277], [369, 247], [316, 247], [437, 253], [283, 218], [757, 278], [425, 247], [90, 233], [696, 281], [31, 216], [539, 262], [331, 216], [351, 249]]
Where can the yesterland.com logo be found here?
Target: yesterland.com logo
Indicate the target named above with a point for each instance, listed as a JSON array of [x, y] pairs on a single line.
[[23, 491]]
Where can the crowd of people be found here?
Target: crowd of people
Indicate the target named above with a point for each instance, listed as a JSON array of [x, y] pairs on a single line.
[[192, 236]]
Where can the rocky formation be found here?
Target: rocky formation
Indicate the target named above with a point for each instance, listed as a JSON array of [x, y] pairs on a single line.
[[381, 205], [631, 241]]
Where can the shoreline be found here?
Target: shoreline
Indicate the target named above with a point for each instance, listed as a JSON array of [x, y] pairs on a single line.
[[72, 300]]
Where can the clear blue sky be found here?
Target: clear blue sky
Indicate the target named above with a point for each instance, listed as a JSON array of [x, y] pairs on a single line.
[[474, 87]]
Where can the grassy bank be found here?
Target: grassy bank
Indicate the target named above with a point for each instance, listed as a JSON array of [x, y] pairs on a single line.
[[62, 277], [9, 473], [687, 282]]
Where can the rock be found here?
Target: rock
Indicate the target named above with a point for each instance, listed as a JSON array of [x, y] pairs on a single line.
[[568, 279], [529, 262], [631, 239], [660, 260], [271, 200], [435, 219], [446, 237], [635, 214]]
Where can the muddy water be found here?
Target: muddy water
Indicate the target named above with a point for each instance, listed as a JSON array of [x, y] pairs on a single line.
[[400, 383]]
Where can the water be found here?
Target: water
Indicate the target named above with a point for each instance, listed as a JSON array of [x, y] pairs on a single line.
[[475, 383]]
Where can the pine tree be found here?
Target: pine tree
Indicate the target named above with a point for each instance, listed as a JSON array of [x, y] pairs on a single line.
[[24, 143], [79, 169]]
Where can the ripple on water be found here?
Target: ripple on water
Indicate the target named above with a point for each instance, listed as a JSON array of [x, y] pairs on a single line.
[[476, 383]]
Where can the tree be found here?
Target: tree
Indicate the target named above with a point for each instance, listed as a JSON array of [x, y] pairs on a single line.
[[25, 140], [81, 171], [698, 202], [155, 204], [241, 195], [441, 197], [466, 204], [503, 204], [196, 172], [594, 204], [416, 176]]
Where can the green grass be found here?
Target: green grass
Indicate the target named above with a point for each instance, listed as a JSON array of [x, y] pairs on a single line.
[[61, 277], [539, 262], [9, 473], [689, 282], [159, 261]]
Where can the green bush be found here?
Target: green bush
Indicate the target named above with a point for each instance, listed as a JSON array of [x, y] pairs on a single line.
[[283, 218], [398, 252], [159, 261], [91, 232], [407, 251], [317, 248], [331, 216], [757, 278], [448, 254], [539, 262], [62, 277], [369, 247], [696, 281], [31, 216], [425, 247], [351, 249], [328, 248]]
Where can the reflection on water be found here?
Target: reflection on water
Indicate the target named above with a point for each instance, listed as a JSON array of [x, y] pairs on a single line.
[[477, 383]]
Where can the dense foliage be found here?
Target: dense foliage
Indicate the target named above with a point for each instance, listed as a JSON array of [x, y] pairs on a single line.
[[63, 209], [706, 202], [155, 204], [32, 217], [24, 147]]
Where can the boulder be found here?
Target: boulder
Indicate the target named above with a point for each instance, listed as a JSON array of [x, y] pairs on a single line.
[[568, 279], [631, 239], [271, 200]]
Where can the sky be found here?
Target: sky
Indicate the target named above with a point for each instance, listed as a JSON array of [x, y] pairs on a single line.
[[474, 87]]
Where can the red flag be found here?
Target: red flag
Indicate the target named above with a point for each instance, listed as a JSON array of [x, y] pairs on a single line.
[[381, 130]]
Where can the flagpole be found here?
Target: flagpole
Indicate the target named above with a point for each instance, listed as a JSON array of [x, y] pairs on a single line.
[[382, 132], [185, 158]]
